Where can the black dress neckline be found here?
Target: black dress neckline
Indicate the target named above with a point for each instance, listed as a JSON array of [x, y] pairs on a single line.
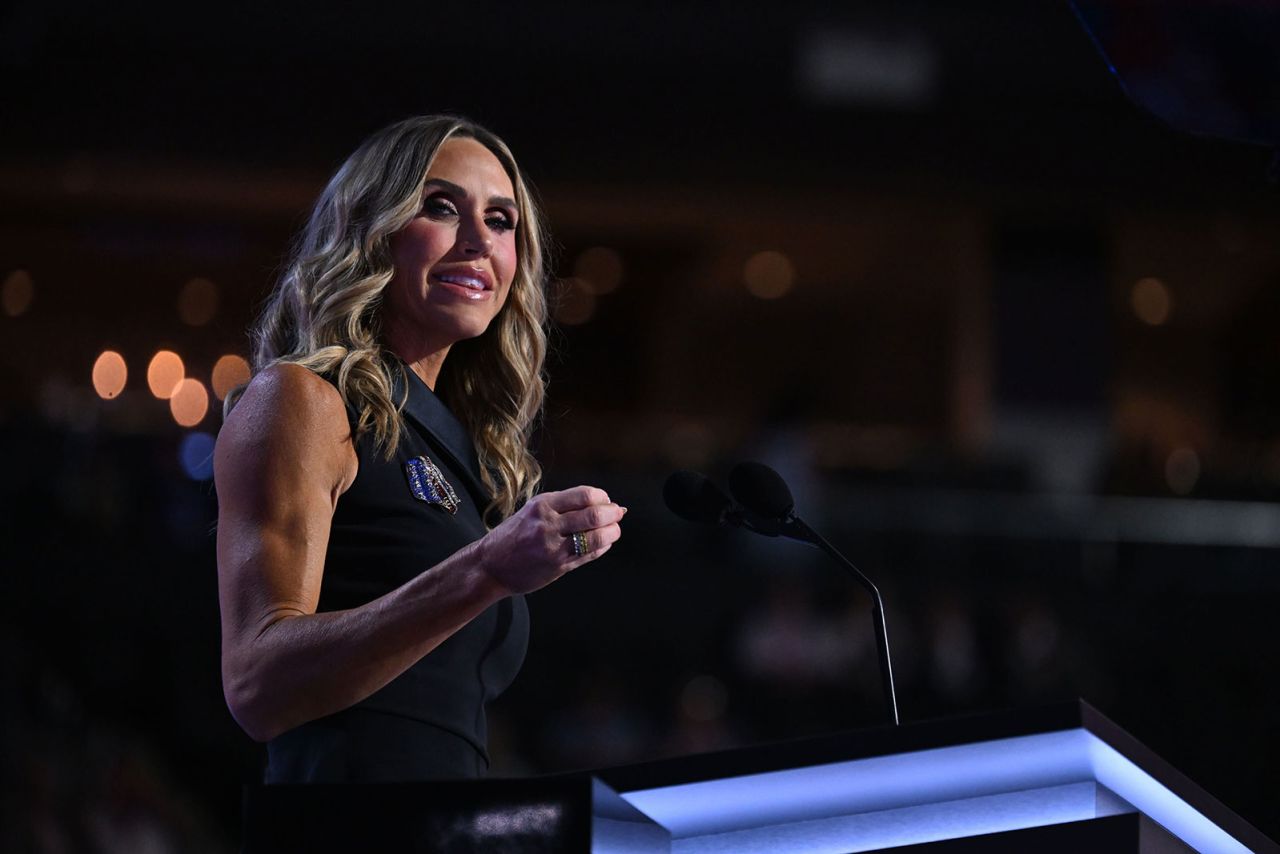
[[429, 414]]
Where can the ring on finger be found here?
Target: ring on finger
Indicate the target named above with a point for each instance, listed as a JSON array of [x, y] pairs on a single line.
[[578, 539]]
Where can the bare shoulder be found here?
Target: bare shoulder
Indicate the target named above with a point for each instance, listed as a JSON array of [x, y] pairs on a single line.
[[287, 400], [286, 415]]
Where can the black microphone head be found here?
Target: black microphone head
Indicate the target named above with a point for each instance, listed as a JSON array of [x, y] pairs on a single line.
[[761, 490], [692, 496]]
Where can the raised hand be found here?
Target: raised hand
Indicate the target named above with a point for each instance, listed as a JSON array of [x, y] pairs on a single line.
[[536, 545]]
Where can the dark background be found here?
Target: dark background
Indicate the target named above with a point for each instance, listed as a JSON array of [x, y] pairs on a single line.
[[1024, 370]]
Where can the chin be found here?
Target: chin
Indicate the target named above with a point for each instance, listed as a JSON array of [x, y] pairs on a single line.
[[469, 331]]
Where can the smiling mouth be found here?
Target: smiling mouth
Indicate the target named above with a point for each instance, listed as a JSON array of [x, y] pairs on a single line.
[[474, 283]]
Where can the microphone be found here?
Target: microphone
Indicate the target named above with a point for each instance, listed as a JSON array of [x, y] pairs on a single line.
[[764, 504], [694, 497], [762, 490]]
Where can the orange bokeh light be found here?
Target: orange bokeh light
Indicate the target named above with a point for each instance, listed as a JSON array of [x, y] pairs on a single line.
[[769, 274], [109, 374], [601, 268], [164, 373], [198, 302], [17, 292], [576, 302], [189, 402], [1151, 300], [228, 372]]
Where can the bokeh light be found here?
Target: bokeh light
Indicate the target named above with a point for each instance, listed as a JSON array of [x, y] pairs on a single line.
[[769, 274], [17, 292], [600, 268], [189, 403], [164, 373], [1151, 301], [109, 374], [198, 302], [689, 444], [196, 455], [575, 303], [228, 372]]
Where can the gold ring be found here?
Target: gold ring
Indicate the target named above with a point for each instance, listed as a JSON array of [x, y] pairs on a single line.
[[579, 539]]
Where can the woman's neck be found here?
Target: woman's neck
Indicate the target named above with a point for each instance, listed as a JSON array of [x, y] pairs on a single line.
[[420, 356]]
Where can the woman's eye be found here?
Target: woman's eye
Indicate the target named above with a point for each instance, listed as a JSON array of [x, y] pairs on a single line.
[[500, 222], [439, 207]]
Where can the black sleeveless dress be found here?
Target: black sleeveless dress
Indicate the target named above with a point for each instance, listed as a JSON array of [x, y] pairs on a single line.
[[428, 723]]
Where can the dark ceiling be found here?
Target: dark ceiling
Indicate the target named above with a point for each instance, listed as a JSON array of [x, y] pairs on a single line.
[[703, 91]]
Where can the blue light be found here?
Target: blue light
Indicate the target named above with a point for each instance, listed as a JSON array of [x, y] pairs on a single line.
[[196, 455], [1113, 770], [923, 796], [869, 785]]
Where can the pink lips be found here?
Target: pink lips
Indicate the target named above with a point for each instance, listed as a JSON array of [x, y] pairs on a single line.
[[467, 282]]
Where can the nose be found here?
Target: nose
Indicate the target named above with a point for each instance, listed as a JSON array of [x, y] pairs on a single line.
[[481, 248], [475, 239]]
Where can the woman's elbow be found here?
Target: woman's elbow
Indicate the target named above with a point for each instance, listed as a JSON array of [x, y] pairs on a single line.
[[248, 701]]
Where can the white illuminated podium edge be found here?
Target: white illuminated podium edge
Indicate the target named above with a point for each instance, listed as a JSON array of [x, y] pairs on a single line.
[[918, 784]]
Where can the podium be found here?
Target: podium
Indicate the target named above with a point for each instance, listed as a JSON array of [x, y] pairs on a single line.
[[1056, 779]]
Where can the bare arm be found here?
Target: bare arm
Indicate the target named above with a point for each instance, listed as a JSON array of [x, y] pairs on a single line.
[[283, 459]]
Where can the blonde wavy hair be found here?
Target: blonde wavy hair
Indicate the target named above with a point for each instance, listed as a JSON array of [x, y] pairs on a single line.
[[324, 313]]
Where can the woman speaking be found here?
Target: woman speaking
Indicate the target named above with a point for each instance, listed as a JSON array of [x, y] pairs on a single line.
[[378, 517]]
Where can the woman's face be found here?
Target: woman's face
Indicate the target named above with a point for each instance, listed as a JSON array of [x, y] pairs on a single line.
[[454, 261]]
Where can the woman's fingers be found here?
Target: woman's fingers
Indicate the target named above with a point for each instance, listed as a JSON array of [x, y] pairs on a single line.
[[590, 518], [595, 542], [537, 545], [584, 510], [575, 499]]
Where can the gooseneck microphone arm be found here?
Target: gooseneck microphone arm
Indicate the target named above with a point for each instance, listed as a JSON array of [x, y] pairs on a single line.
[[765, 498], [764, 505], [795, 528]]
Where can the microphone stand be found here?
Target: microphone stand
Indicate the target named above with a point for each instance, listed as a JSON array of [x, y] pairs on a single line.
[[795, 528]]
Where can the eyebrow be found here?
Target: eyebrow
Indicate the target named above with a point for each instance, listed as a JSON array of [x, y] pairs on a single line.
[[458, 191]]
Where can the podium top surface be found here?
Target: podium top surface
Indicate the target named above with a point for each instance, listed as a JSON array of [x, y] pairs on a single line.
[[882, 769]]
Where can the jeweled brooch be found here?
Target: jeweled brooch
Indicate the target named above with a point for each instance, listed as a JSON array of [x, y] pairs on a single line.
[[427, 483]]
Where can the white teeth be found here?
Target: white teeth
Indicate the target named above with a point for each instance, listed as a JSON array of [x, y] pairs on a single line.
[[465, 281]]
